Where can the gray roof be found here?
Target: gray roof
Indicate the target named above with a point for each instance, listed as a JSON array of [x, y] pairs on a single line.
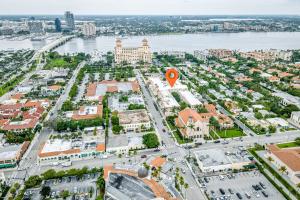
[[123, 187]]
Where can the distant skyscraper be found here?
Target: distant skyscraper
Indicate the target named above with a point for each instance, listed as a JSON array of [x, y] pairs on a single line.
[[57, 25], [89, 29], [69, 17]]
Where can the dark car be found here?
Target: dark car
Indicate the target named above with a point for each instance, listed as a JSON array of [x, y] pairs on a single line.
[[222, 191], [239, 195], [206, 179], [258, 187], [230, 191], [143, 156], [217, 141], [262, 185], [264, 193]]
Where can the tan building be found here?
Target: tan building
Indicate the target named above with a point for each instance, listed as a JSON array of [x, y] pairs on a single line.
[[134, 120], [288, 158], [192, 124], [132, 55]]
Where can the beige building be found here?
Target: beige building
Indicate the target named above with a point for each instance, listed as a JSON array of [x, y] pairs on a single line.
[[134, 120], [288, 158], [192, 124], [132, 55]]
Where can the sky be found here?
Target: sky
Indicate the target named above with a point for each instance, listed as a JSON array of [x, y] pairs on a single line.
[[151, 7]]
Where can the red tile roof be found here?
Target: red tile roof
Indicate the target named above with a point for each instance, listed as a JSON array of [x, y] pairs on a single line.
[[31, 123], [158, 162], [289, 156]]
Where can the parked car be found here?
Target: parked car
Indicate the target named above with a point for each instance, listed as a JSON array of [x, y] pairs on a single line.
[[264, 193], [222, 191], [239, 195], [262, 185]]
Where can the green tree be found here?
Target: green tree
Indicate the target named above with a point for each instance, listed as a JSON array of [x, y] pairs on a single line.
[[49, 174], [272, 129], [150, 140], [258, 115], [214, 122], [67, 106], [45, 191], [13, 191], [33, 181], [64, 194]]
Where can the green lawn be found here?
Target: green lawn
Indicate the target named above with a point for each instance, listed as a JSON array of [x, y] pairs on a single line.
[[213, 135], [179, 138], [288, 145], [230, 133]]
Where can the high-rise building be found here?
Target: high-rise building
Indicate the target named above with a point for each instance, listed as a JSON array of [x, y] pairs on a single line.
[[89, 29], [57, 25], [132, 54], [36, 27], [69, 17]]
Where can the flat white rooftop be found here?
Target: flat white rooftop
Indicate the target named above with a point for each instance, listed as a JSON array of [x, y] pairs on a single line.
[[88, 110], [168, 101], [56, 145], [163, 85], [9, 152], [189, 98]]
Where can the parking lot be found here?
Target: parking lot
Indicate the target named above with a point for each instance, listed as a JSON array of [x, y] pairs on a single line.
[[244, 185], [80, 188]]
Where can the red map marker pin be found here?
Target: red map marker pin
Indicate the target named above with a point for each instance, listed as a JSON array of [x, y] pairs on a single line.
[[172, 76]]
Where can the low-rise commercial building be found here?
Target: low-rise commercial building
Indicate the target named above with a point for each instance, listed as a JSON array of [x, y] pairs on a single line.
[[56, 151], [87, 112], [125, 184], [189, 98], [121, 144], [134, 120], [11, 155], [214, 160]]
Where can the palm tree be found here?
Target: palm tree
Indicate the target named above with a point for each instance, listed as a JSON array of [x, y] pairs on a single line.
[[282, 169], [181, 182], [298, 186], [270, 159], [158, 172], [186, 186]]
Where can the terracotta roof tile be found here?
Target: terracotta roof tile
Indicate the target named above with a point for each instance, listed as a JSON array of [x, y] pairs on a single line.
[[289, 156], [100, 147], [158, 162]]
